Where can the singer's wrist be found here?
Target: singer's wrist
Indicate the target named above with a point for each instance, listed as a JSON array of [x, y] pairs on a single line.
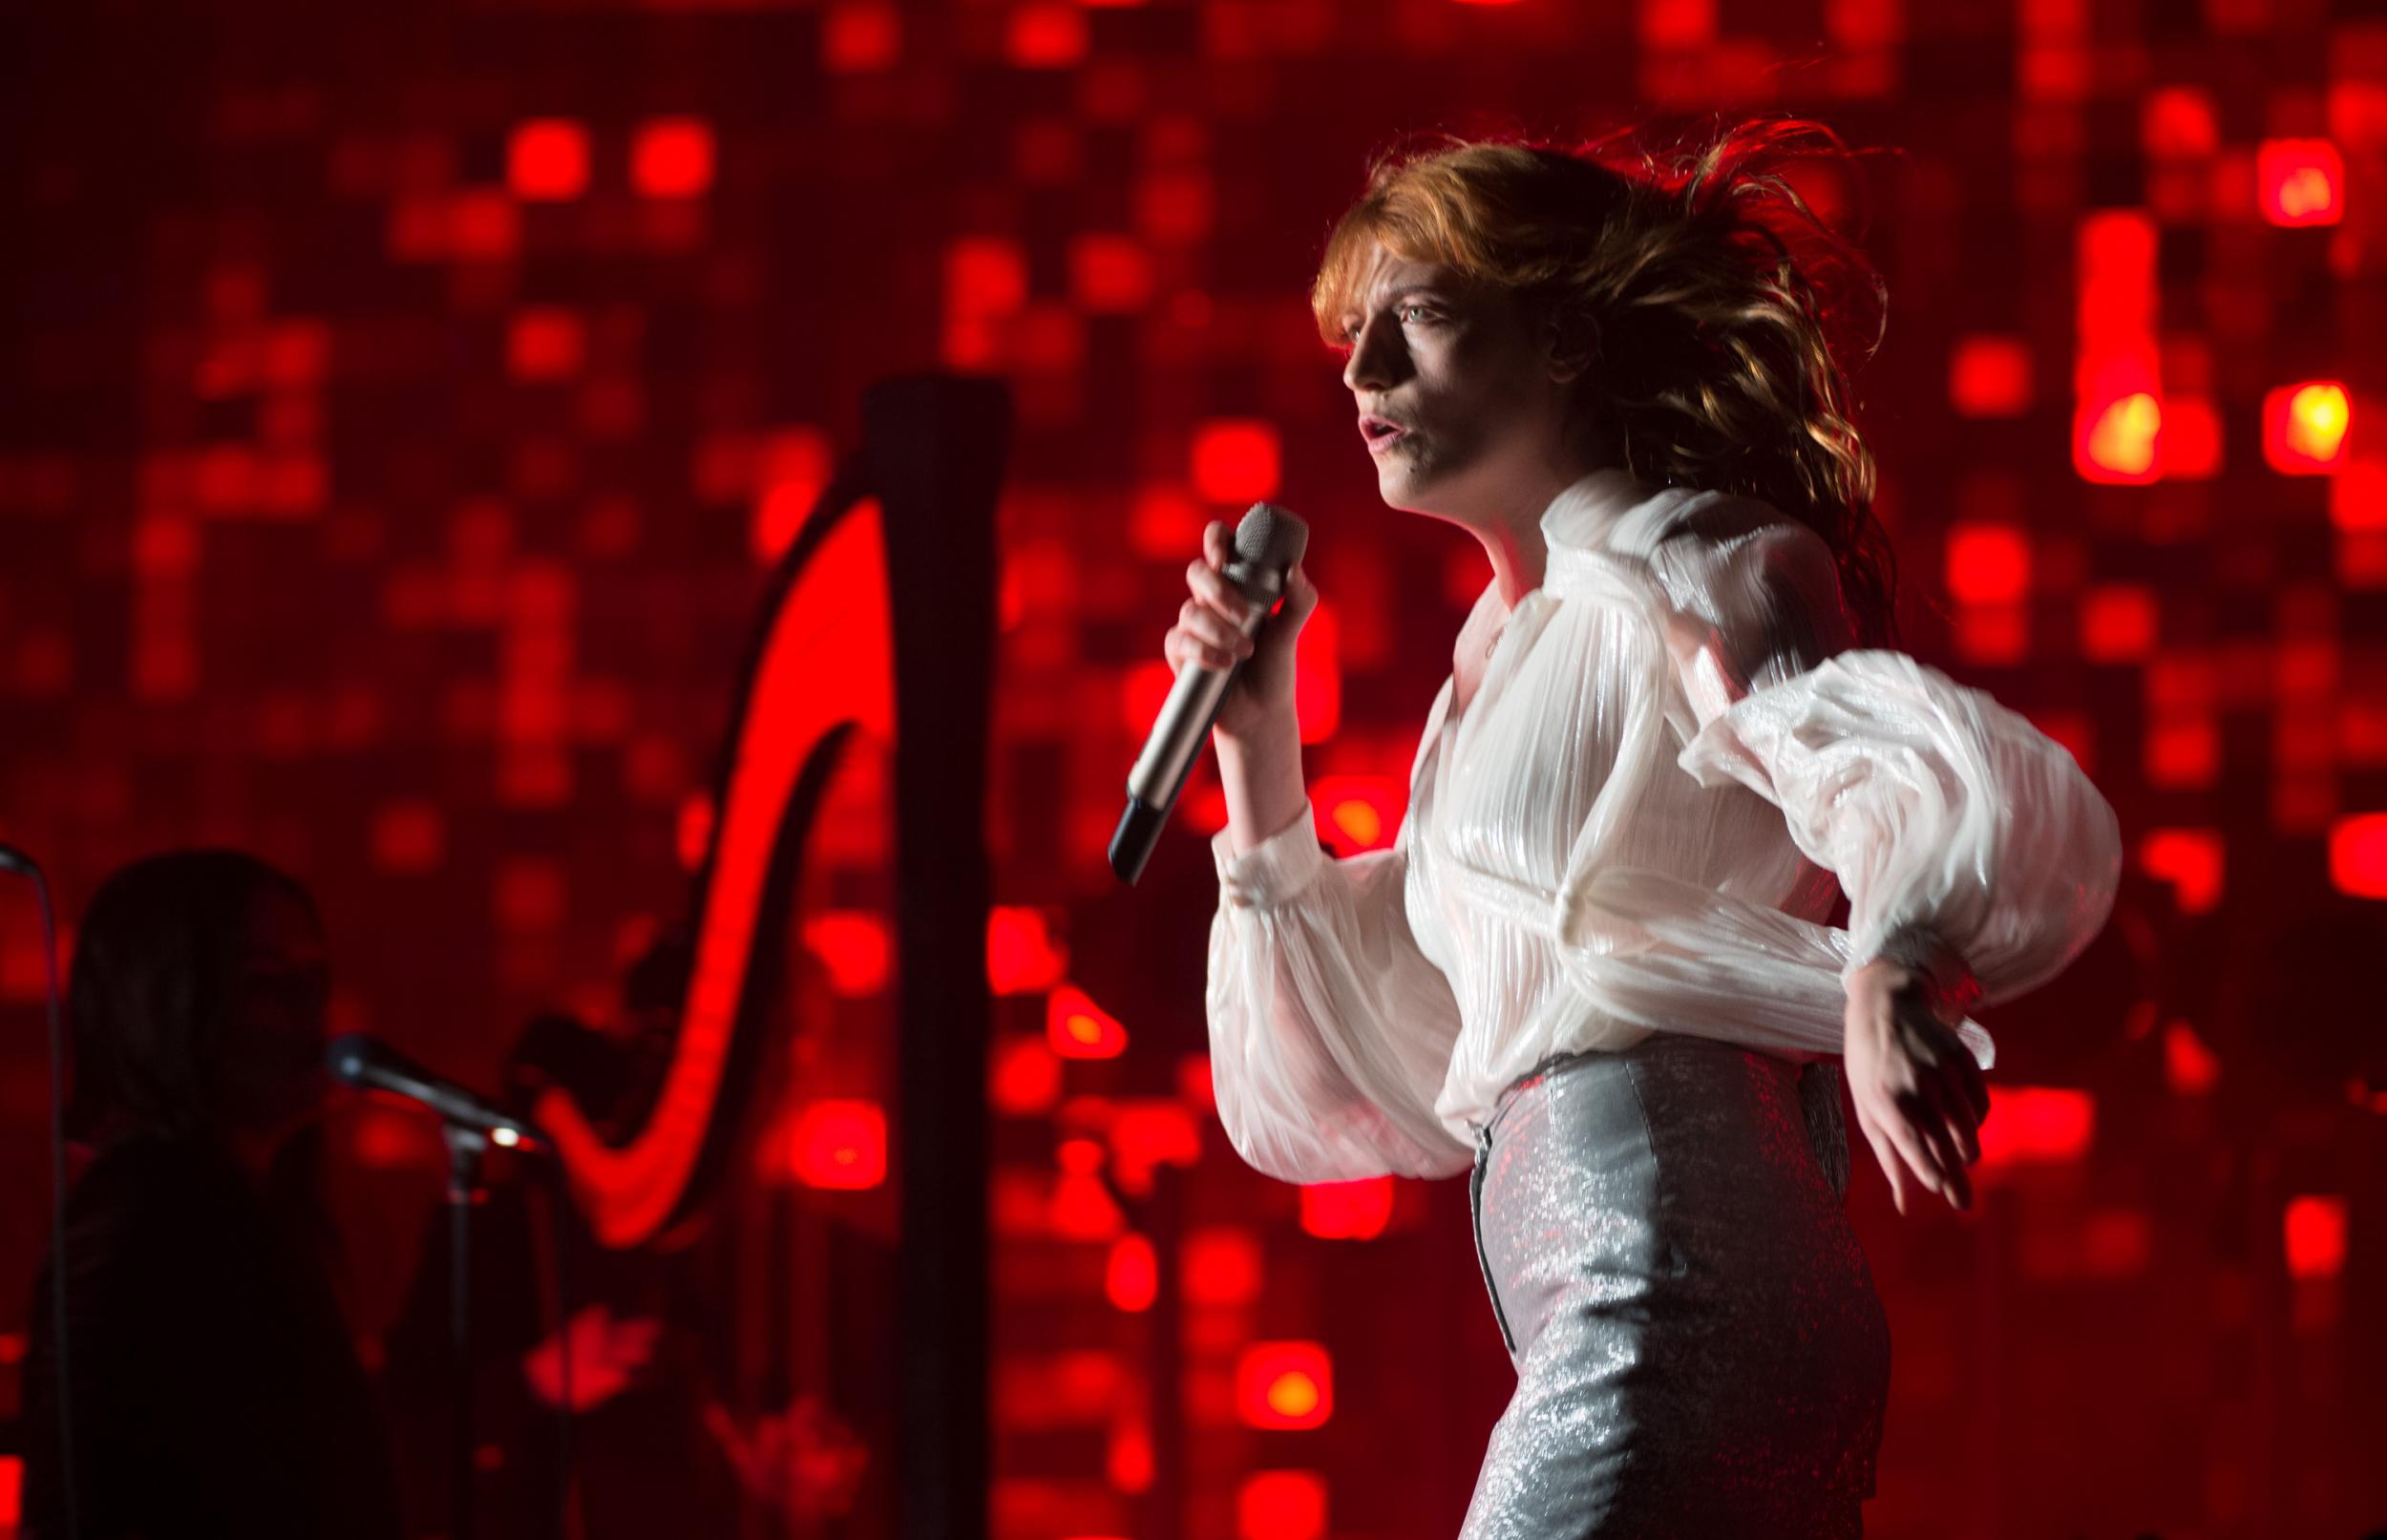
[[1274, 732], [1260, 774]]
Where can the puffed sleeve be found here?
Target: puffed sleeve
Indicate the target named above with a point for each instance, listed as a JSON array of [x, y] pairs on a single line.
[[1964, 836], [1330, 1030]]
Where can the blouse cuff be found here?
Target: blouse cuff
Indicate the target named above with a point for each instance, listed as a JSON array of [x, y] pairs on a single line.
[[1949, 986], [1273, 870]]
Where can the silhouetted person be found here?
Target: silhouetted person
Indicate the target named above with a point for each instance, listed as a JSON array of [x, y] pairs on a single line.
[[214, 1388]]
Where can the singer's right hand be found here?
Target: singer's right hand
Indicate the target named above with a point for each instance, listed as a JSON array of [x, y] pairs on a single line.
[[1207, 636]]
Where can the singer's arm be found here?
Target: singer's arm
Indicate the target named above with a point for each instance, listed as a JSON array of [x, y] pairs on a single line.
[[1330, 1029], [1261, 772], [1255, 733]]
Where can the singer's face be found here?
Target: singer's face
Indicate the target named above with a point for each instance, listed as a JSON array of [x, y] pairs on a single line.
[[272, 1068], [1457, 400]]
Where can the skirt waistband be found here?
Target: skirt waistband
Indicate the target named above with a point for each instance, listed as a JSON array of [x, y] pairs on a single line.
[[1561, 1062]]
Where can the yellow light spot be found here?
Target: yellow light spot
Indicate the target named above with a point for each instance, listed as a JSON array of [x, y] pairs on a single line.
[[2316, 421], [2123, 440], [1293, 1394], [1358, 820], [2305, 192]]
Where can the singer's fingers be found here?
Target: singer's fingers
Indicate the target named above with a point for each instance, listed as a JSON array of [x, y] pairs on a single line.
[[1300, 594], [1218, 542], [1181, 649], [1178, 649], [1211, 629], [1213, 591]]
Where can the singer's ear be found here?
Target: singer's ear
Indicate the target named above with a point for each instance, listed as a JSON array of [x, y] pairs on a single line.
[[1568, 348]]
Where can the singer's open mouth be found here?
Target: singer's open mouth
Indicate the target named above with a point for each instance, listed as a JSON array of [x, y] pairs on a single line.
[[1380, 431]]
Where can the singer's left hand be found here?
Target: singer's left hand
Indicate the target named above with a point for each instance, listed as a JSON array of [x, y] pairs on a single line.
[[1919, 1097]]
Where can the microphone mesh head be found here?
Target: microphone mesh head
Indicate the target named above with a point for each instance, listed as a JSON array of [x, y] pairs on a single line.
[[1270, 537]]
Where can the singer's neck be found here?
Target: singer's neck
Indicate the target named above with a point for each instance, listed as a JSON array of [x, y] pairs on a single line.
[[1509, 522], [1519, 556]]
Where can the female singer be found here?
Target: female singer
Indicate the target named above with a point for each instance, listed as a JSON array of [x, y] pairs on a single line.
[[1594, 965]]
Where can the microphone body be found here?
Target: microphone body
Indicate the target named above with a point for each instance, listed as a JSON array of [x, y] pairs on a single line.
[[372, 1066], [1267, 543]]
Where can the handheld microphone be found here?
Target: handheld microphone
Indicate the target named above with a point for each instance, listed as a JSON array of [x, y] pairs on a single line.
[[372, 1066], [1267, 543]]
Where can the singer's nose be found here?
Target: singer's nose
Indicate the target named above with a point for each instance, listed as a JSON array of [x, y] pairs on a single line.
[[1374, 357]]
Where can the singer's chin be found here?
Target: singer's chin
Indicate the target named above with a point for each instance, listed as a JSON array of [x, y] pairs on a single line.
[[1398, 486]]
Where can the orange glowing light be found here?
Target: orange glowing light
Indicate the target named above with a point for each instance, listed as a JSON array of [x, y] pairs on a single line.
[[2302, 182], [2304, 427], [2118, 411], [1293, 1399], [1358, 813], [1285, 1385], [1363, 824], [2120, 442], [1078, 1029]]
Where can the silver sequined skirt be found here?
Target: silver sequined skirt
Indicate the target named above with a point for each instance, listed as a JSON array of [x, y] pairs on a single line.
[[1700, 1350]]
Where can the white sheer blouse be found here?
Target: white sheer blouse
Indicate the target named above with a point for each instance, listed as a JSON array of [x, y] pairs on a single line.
[[1633, 828]]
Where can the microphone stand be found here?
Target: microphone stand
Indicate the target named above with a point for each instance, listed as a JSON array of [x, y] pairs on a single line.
[[466, 1144]]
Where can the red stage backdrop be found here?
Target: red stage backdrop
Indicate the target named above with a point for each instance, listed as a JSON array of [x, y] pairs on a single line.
[[402, 408]]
